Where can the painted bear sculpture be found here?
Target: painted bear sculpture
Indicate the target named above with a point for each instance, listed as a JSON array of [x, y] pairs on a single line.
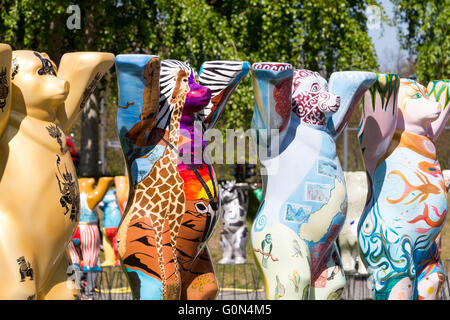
[[173, 207], [356, 182], [85, 246], [113, 205], [39, 202], [234, 234], [297, 118], [407, 202]]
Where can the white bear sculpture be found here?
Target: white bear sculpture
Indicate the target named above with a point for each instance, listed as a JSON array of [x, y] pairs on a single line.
[[234, 235], [348, 238]]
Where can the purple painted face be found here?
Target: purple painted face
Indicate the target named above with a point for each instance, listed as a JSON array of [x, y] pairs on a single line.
[[197, 98]]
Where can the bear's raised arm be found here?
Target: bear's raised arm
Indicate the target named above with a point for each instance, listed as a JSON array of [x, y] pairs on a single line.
[[378, 119], [83, 71], [350, 86], [138, 80], [221, 77], [122, 191], [5, 85], [272, 90], [98, 193], [439, 91]]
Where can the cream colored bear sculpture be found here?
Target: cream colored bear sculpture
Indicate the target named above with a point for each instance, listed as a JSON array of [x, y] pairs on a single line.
[[39, 197], [348, 238]]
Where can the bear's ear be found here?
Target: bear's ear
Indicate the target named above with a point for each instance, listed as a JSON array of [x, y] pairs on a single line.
[[222, 77], [271, 120], [5, 85], [378, 120], [439, 91], [350, 86]]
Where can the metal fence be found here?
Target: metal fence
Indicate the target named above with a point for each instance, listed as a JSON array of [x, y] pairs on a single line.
[[358, 287], [239, 282], [111, 284]]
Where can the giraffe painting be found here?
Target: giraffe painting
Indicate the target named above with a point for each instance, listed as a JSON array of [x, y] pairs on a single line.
[[160, 195], [173, 203], [158, 203]]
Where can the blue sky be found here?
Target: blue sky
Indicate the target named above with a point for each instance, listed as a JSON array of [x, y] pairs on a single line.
[[385, 38]]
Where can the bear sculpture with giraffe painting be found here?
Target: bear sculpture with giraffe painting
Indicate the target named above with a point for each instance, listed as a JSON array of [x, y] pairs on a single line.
[[174, 202]]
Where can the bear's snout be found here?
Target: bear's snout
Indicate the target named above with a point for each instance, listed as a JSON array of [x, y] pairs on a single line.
[[335, 104], [60, 87], [436, 109], [198, 96]]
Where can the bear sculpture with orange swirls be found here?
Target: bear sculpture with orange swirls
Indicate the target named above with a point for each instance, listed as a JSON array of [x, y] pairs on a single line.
[[407, 203]]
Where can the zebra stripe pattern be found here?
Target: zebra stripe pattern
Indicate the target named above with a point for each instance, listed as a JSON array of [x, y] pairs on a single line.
[[169, 68], [221, 77]]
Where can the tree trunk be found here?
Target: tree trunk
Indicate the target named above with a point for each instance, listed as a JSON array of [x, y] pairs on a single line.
[[89, 166], [89, 138]]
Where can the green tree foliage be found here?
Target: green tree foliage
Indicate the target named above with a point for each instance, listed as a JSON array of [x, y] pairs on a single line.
[[426, 36], [111, 26], [324, 36]]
